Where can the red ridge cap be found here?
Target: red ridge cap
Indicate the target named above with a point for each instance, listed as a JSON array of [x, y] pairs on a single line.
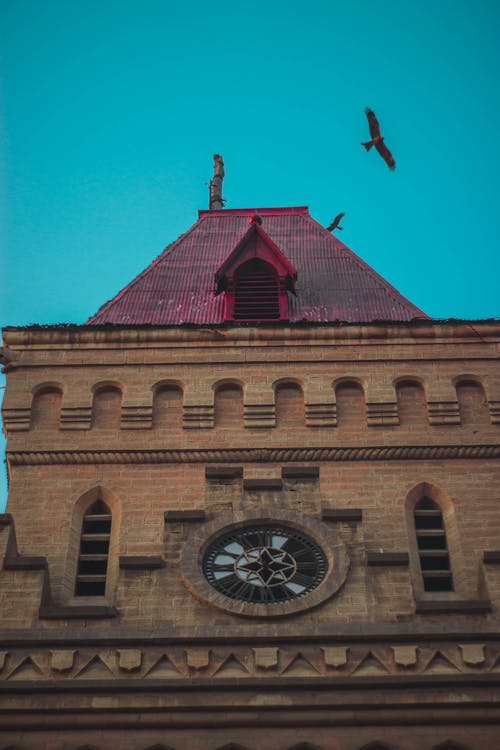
[[300, 210]]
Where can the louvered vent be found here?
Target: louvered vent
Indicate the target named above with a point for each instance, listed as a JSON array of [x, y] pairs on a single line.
[[94, 549], [256, 292], [432, 547]]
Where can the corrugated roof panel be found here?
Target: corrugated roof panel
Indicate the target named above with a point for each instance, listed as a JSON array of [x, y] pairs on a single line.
[[332, 282]]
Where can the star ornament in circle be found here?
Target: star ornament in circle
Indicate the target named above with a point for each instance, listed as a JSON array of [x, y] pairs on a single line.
[[265, 566]]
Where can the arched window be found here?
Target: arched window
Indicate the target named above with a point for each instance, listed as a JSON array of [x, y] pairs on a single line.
[[228, 405], [46, 407], [256, 291], [412, 403], [432, 546], [351, 405], [94, 551], [106, 407], [472, 403], [167, 407], [289, 400]]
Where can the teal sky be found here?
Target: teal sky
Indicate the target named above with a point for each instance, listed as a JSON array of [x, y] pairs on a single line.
[[111, 111]]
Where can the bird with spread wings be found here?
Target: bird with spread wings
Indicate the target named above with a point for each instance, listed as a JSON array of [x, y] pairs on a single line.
[[377, 140], [335, 223]]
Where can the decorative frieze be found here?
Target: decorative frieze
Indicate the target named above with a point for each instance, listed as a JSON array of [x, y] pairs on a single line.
[[255, 455], [313, 660]]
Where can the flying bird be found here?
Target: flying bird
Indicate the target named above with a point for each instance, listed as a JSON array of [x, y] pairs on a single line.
[[377, 140], [335, 223]]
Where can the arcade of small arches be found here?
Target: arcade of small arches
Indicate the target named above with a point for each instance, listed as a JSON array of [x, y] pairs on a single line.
[[287, 406]]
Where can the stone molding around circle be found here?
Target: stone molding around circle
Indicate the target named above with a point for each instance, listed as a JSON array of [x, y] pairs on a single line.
[[254, 455], [327, 538]]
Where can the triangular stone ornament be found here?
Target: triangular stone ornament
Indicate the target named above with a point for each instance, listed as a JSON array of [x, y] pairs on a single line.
[[231, 667], [299, 666], [3, 658], [370, 666], [27, 669], [95, 669], [163, 668], [440, 664]]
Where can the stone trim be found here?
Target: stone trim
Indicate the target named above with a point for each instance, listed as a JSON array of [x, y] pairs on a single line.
[[455, 606], [255, 455], [141, 562], [342, 514], [192, 516]]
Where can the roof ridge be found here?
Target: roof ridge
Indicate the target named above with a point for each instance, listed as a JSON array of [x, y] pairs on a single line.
[[390, 290], [164, 253]]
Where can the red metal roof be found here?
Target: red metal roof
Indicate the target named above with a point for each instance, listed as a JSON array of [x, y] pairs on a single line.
[[333, 284]]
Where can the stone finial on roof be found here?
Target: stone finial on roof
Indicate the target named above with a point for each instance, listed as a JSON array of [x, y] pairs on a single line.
[[216, 201]]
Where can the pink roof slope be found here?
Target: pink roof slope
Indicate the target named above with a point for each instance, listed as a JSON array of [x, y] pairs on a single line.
[[333, 284]]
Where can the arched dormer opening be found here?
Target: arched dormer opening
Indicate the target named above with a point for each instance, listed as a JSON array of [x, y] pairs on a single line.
[[256, 291], [255, 279]]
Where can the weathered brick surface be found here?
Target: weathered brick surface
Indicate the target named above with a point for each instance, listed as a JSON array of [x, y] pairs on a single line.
[[165, 405]]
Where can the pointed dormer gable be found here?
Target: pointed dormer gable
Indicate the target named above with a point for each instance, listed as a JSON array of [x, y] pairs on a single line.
[[255, 278]]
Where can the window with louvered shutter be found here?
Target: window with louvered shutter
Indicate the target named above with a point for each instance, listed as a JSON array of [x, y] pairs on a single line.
[[432, 546], [94, 551], [256, 292]]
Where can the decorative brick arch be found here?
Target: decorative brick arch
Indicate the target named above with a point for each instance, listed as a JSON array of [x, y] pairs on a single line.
[[106, 405], [289, 402], [46, 405], [350, 398], [168, 397], [472, 400], [228, 403], [412, 401]]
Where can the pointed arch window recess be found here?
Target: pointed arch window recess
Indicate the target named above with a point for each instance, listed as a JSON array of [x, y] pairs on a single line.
[[94, 551], [432, 546]]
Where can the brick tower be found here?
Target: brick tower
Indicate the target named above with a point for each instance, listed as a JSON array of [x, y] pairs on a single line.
[[253, 503]]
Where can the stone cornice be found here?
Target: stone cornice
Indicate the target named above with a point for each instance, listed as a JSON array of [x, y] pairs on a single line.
[[255, 455], [36, 337]]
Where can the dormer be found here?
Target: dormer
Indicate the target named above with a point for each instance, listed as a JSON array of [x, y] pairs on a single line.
[[255, 278]]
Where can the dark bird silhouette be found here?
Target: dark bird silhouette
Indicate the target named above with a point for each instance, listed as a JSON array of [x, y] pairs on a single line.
[[335, 223], [377, 140]]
